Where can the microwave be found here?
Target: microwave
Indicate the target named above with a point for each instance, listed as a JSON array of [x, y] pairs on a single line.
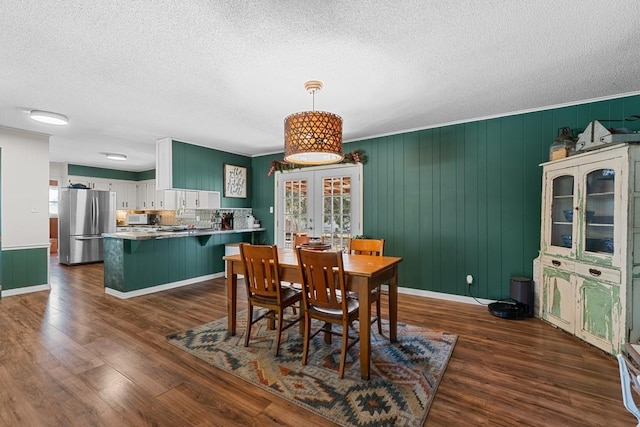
[[137, 219]]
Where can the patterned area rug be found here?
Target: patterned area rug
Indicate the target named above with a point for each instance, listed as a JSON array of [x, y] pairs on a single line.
[[403, 381]]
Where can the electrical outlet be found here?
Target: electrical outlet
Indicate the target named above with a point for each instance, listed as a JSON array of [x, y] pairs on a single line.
[[469, 279]]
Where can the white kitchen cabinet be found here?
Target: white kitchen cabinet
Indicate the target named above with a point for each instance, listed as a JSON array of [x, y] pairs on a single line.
[[147, 195], [590, 245], [90, 182], [190, 199], [166, 199], [198, 199], [209, 199], [126, 194]]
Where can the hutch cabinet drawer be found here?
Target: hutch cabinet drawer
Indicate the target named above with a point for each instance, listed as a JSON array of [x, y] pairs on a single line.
[[561, 263], [599, 273]]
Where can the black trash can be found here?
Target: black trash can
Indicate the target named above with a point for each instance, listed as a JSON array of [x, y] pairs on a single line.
[[522, 291]]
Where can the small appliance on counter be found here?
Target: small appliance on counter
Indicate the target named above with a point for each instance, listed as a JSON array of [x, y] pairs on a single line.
[[227, 221], [137, 219], [154, 219]]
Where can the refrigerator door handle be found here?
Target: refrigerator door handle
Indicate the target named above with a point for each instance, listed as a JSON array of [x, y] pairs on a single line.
[[94, 212], [97, 223]]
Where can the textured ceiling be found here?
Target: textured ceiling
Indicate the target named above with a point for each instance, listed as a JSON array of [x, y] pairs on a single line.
[[225, 74]]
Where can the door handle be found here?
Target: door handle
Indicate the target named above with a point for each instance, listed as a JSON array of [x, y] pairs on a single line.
[[594, 272], [556, 263]]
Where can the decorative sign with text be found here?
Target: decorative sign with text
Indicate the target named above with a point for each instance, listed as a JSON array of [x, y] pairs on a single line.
[[235, 181]]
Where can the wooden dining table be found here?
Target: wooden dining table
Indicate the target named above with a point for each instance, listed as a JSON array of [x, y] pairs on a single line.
[[363, 274]]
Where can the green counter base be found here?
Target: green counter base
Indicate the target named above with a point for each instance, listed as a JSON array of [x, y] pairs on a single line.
[[138, 267]]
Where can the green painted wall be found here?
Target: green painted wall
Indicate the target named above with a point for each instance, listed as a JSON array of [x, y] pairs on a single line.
[[25, 267], [144, 175], [201, 168], [79, 170], [460, 199]]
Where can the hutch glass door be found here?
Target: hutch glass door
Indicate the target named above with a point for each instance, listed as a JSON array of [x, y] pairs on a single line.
[[562, 217], [599, 228]]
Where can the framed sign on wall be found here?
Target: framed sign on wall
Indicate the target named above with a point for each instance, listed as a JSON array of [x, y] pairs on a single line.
[[235, 181]]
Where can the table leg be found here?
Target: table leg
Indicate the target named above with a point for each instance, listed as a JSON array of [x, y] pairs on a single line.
[[364, 312], [232, 297], [393, 306]]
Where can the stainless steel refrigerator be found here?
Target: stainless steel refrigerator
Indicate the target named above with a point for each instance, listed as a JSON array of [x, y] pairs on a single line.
[[83, 215]]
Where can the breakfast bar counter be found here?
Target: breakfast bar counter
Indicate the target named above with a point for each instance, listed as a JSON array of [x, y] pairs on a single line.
[[165, 234], [142, 262]]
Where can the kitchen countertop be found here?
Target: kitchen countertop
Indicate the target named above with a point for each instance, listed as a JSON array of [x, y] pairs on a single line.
[[148, 235]]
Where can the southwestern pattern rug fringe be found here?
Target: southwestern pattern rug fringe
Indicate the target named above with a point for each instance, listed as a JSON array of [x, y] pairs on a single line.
[[403, 381]]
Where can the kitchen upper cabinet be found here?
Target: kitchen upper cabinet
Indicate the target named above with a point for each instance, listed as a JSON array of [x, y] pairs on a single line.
[[209, 199], [166, 199], [590, 227], [126, 194], [90, 182], [198, 199], [151, 198], [187, 199], [147, 195]]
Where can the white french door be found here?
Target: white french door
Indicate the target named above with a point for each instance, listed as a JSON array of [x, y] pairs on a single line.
[[322, 202]]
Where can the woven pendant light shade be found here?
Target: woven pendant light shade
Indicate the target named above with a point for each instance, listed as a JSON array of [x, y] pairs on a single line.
[[313, 137]]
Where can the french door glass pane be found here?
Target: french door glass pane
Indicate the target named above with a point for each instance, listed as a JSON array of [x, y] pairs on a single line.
[[336, 211], [599, 211], [295, 209]]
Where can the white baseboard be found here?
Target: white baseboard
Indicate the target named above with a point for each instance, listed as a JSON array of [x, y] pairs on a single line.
[[25, 290], [160, 288], [441, 295]]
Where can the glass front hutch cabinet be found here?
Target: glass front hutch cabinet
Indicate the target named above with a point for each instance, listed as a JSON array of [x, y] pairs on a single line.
[[590, 228]]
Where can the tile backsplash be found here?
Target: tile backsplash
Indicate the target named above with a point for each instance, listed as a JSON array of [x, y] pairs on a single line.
[[202, 218]]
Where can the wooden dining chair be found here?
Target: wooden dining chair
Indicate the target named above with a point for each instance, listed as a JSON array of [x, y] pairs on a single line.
[[264, 289], [325, 298], [300, 239], [373, 247]]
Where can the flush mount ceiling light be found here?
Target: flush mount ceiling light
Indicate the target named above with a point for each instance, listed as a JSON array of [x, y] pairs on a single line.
[[49, 117], [313, 137], [115, 156]]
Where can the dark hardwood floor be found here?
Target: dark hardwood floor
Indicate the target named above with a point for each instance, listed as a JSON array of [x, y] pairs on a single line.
[[76, 356]]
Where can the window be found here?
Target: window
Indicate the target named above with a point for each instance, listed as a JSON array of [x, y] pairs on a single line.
[[53, 198]]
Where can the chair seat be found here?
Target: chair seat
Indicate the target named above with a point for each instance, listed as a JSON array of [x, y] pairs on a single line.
[[288, 295], [352, 305]]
